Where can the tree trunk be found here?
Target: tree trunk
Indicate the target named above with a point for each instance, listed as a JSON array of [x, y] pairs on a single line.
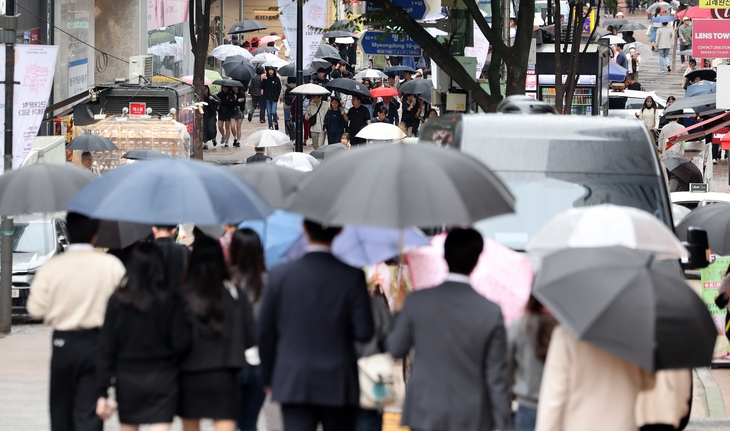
[[199, 17], [520, 50]]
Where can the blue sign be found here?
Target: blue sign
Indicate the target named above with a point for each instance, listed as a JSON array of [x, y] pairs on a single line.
[[415, 8], [376, 42]]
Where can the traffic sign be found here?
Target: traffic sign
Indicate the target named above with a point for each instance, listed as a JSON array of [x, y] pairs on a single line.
[[720, 13], [417, 9], [378, 43]]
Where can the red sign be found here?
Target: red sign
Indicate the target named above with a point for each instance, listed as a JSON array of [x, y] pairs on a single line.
[[710, 38], [718, 134], [137, 108], [35, 36], [720, 13]]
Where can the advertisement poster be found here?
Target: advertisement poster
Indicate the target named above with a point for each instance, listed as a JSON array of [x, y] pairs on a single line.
[[710, 38], [710, 278], [315, 20], [479, 50], [34, 69], [162, 13]]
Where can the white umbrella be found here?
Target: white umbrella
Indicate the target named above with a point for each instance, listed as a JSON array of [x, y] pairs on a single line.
[[297, 161], [268, 59], [665, 6], [166, 50], [221, 52], [605, 226], [344, 40], [381, 132], [370, 74], [612, 40], [310, 90], [267, 138]]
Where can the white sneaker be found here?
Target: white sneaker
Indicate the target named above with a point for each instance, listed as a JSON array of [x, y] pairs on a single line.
[[714, 161]]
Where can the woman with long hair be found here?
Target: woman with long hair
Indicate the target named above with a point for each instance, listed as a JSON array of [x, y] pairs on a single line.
[[222, 323], [239, 108], [143, 336], [248, 270], [529, 338], [650, 116], [225, 110], [209, 117]]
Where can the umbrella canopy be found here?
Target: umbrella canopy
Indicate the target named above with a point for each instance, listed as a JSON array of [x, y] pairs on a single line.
[[338, 33], [398, 69], [416, 86], [502, 275], [700, 88], [188, 79], [242, 72], [632, 26], [144, 155], [683, 168], [691, 103], [658, 5], [171, 191], [344, 40], [384, 92], [614, 22], [616, 72], [298, 161], [327, 51], [247, 25], [348, 86], [412, 185], [291, 70], [381, 132], [310, 90], [265, 50], [715, 220], [705, 74], [425, 96], [663, 18], [361, 246], [267, 138], [91, 143], [275, 183], [213, 75], [268, 39], [41, 188], [231, 62], [228, 83], [326, 152], [320, 63], [120, 234], [694, 12], [222, 52], [370, 74], [607, 225], [267, 59], [613, 40], [278, 232], [615, 299]]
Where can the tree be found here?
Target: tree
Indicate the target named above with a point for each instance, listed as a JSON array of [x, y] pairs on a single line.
[[515, 56], [199, 21]]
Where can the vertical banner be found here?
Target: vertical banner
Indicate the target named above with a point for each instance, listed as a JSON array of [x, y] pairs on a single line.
[[78, 76], [710, 278], [34, 69], [315, 17], [479, 50]]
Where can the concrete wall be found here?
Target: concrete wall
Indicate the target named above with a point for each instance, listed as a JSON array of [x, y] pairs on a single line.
[[118, 32], [76, 19]]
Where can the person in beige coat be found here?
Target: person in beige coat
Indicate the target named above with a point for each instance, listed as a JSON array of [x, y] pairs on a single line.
[[586, 388], [667, 404]]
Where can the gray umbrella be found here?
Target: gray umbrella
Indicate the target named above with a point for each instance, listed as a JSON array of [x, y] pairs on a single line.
[[620, 301], [41, 188], [328, 151], [243, 71], [275, 183], [246, 26], [327, 51], [91, 143], [263, 49], [632, 26], [402, 185], [715, 220], [120, 234], [291, 70], [614, 22], [416, 86], [320, 63], [228, 83], [339, 33], [144, 155]]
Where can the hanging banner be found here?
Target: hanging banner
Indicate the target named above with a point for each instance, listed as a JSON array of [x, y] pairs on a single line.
[[314, 17], [479, 50], [711, 277], [163, 13], [34, 69]]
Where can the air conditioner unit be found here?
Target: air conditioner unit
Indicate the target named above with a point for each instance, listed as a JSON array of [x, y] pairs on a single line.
[[140, 69]]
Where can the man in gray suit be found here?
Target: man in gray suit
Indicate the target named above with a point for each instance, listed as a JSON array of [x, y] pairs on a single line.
[[460, 377]]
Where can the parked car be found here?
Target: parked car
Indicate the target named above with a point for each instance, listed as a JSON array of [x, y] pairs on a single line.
[[36, 239], [624, 104]]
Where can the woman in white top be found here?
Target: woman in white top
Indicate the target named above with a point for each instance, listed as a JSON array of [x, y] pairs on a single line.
[[650, 116]]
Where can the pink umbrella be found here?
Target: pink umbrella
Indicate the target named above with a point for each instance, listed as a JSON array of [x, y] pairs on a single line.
[[502, 275], [189, 80], [268, 39]]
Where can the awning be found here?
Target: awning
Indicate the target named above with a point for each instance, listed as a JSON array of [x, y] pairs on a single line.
[[616, 72], [699, 130]]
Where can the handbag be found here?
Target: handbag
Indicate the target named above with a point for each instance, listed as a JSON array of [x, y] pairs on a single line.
[[313, 118], [377, 381]]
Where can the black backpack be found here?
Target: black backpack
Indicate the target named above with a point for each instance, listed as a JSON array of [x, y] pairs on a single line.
[[288, 97]]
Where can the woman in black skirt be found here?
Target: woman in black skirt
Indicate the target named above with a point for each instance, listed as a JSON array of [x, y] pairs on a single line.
[[144, 333], [222, 322], [209, 117]]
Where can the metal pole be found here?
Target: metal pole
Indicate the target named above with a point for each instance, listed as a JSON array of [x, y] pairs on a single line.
[[9, 25], [240, 11], [299, 145]]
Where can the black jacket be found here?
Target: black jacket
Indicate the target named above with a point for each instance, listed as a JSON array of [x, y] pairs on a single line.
[[314, 310], [176, 257], [272, 88]]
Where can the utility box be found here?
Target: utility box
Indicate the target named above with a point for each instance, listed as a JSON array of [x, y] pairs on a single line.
[[140, 69]]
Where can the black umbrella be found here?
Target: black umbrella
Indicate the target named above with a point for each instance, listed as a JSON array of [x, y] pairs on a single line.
[[348, 86], [228, 83], [320, 63], [408, 185], [261, 50], [41, 188], [339, 33], [246, 26], [416, 86], [615, 22], [715, 220], [242, 72], [621, 302], [144, 155], [291, 70], [328, 151], [398, 69], [705, 74], [120, 234], [275, 183], [327, 51], [231, 62], [91, 143], [425, 96], [682, 168], [632, 26]]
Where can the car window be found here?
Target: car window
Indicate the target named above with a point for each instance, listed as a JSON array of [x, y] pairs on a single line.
[[33, 238]]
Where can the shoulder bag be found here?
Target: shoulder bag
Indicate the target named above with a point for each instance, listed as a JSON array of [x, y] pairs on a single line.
[[313, 118], [377, 381]]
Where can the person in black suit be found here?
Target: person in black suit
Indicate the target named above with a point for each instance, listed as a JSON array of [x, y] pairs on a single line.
[[259, 156], [313, 312], [460, 378]]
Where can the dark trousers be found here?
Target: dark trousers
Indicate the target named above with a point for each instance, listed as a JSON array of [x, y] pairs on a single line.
[[305, 417], [369, 420], [258, 102], [252, 397], [73, 381], [683, 47], [333, 138]]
